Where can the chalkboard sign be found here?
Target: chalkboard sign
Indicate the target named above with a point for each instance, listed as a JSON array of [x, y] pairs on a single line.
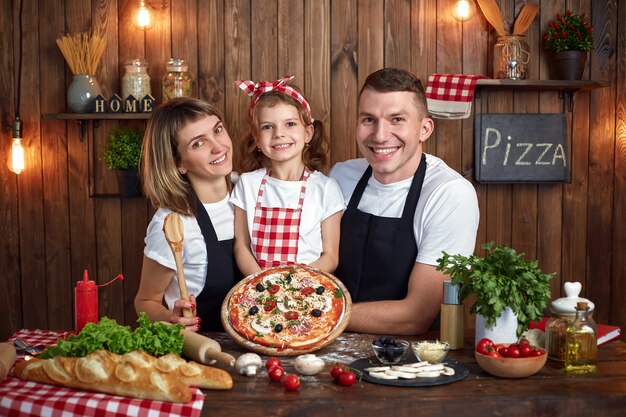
[[513, 148]]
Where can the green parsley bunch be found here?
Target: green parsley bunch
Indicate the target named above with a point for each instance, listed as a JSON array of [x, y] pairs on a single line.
[[570, 32], [501, 279]]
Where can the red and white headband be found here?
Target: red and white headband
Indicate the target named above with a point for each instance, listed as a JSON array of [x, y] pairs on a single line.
[[262, 87]]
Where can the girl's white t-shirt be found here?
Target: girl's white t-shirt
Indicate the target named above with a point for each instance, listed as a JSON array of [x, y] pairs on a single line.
[[322, 199]]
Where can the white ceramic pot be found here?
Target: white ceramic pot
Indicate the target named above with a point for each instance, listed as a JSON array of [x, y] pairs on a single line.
[[504, 331]]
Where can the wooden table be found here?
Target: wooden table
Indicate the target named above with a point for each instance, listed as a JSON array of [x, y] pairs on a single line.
[[548, 393]]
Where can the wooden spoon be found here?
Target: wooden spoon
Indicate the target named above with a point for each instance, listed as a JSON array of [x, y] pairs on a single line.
[[525, 18], [492, 14], [174, 234]]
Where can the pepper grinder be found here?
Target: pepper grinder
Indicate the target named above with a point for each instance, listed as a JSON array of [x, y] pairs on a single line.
[[85, 302], [451, 328]]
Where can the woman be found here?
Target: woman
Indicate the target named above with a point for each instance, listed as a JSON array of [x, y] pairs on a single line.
[[186, 169]]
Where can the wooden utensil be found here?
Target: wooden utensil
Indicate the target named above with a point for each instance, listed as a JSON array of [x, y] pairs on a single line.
[[492, 14], [174, 234], [525, 18]]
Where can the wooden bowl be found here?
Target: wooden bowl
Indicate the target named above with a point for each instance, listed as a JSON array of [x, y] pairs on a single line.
[[511, 367]]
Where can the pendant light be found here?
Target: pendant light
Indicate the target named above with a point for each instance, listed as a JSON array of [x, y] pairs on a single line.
[[16, 159], [463, 10]]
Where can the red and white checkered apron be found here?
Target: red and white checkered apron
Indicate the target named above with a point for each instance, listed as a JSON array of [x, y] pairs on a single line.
[[275, 230]]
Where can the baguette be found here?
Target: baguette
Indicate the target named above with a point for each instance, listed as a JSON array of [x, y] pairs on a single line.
[[135, 374]]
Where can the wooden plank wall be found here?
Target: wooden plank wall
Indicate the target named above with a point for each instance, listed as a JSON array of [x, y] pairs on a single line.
[[52, 229]]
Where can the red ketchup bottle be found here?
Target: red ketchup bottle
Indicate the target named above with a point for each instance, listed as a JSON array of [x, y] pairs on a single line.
[[85, 302]]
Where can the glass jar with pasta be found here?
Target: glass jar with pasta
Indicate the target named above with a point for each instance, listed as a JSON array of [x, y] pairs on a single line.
[[176, 81], [136, 81]]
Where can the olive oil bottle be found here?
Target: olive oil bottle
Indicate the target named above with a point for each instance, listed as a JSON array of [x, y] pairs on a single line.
[[581, 351]]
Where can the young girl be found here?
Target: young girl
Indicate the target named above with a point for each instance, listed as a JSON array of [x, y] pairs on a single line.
[[286, 211], [186, 169]]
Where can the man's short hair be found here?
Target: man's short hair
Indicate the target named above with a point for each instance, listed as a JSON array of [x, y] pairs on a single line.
[[389, 80]]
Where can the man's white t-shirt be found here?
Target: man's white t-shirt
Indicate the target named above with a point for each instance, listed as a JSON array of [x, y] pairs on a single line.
[[322, 199], [194, 255], [446, 216]]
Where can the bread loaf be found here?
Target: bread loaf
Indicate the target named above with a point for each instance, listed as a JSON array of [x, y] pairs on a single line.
[[135, 374]]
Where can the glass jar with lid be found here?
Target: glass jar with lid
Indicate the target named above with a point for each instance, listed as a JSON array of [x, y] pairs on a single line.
[[136, 81], [511, 56], [563, 313], [176, 81]]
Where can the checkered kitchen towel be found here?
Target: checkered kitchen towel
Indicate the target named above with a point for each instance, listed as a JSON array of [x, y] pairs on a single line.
[[450, 96], [19, 398]]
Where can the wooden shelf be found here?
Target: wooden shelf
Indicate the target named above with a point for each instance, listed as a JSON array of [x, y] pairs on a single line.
[[96, 116], [561, 85], [567, 88]]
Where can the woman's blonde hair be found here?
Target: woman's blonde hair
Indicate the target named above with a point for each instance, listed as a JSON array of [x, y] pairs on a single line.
[[163, 184], [315, 155]]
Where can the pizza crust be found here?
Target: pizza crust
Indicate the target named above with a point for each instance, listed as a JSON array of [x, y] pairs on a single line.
[[312, 341]]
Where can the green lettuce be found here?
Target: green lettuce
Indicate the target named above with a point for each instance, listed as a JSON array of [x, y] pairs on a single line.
[[154, 338]]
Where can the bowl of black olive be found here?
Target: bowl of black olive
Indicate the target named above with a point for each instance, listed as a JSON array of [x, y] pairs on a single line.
[[389, 350]]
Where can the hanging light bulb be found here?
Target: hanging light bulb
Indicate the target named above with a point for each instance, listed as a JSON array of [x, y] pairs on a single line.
[[144, 17], [16, 162], [464, 10]]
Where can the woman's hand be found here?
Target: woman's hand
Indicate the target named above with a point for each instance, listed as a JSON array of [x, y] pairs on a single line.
[[190, 323]]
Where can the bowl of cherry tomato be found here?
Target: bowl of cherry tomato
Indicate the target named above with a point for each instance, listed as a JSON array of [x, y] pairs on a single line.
[[510, 360]]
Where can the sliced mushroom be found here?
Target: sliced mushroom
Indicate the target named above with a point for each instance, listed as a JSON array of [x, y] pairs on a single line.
[[248, 364]]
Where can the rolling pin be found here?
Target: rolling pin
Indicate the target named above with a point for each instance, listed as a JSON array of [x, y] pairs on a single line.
[[203, 349], [7, 359]]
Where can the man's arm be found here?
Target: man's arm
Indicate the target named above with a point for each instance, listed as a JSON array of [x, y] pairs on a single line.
[[411, 315]]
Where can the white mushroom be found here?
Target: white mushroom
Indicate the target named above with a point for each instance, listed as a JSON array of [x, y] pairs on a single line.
[[248, 363], [309, 364]]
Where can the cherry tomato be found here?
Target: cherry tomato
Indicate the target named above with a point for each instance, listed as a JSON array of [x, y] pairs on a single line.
[[307, 290], [514, 352], [292, 315], [273, 289], [273, 362], [536, 352], [485, 346], [276, 373], [523, 342], [347, 378], [269, 305], [337, 370], [291, 382], [525, 351], [493, 354], [503, 351]]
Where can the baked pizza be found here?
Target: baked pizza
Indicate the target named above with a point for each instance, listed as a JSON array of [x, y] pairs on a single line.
[[288, 310]]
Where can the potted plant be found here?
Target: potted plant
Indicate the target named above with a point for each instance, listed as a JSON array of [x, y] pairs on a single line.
[[122, 155], [570, 38], [505, 286]]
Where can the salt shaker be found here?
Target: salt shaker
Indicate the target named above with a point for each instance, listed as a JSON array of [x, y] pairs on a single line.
[[451, 328]]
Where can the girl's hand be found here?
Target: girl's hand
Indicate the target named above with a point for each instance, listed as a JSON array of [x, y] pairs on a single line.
[[190, 323]]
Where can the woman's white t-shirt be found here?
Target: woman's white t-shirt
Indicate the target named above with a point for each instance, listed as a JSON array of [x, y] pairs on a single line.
[[194, 255]]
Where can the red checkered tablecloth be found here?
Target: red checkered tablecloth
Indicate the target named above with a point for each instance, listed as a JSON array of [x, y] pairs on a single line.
[[20, 398]]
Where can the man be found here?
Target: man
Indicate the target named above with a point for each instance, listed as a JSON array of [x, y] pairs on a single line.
[[405, 208]]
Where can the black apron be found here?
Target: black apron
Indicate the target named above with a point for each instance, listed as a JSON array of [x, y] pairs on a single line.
[[377, 254], [221, 274]]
